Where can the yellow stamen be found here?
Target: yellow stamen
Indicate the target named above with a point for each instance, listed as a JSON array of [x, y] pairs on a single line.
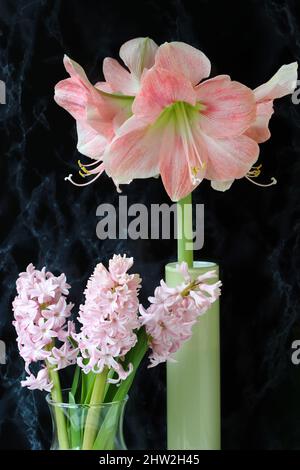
[[83, 171], [255, 171], [195, 170]]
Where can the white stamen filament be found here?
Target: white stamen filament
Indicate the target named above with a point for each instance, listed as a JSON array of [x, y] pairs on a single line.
[[273, 181], [69, 178]]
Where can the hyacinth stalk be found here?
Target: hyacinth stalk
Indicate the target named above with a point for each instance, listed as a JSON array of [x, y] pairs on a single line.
[[93, 413], [59, 415]]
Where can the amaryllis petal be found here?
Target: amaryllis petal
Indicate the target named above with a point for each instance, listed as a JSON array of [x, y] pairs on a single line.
[[282, 83], [221, 185], [160, 89], [90, 142], [228, 159], [119, 79], [78, 96], [179, 164], [259, 130], [133, 154], [227, 108], [138, 54], [181, 58]]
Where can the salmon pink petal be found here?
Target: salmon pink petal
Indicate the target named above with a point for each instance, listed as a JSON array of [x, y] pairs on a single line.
[[138, 54], [119, 79], [183, 59], [80, 98], [90, 142], [228, 159], [259, 130], [70, 95], [87, 102], [160, 89], [221, 185], [133, 153], [227, 108], [179, 164], [282, 83]]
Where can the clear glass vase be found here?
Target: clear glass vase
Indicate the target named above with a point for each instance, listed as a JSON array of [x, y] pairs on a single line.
[[87, 427]]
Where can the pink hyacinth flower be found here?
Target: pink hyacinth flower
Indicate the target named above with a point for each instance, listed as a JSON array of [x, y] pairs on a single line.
[[174, 310], [40, 382], [41, 321], [109, 318]]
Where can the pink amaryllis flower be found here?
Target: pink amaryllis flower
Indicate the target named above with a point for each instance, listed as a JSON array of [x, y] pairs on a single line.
[[187, 129], [281, 84], [174, 310], [102, 108]]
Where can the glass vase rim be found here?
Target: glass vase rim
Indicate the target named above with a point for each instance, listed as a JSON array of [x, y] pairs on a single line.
[[63, 404]]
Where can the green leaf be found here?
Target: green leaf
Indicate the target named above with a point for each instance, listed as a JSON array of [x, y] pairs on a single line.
[[75, 381], [134, 357], [74, 423]]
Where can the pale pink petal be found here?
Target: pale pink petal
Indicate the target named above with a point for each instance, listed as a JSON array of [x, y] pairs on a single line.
[[177, 160], [259, 130], [138, 54], [75, 70], [133, 154], [119, 79], [70, 96], [78, 96], [221, 185], [227, 108], [90, 142], [159, 90], [228, 159], [282, 83], [86, 102], [183, 59], [104, 86]]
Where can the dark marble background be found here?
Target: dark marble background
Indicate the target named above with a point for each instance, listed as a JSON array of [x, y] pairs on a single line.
[[252, 232]]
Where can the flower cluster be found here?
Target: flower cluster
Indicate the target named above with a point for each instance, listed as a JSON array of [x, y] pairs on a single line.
[[173, 312], [162, 115], [109, 318], [41, 316]]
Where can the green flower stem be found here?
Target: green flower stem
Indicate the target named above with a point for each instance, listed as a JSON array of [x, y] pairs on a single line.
[[91, 423], [185, 230], [114, 393], [56, 395]]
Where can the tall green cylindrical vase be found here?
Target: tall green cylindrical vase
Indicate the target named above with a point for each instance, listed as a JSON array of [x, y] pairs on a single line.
[[193, 382]]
